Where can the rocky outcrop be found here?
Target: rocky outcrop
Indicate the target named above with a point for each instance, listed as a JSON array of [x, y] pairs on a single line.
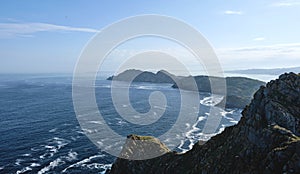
[[143, 147], [266, 140], [144, 76]]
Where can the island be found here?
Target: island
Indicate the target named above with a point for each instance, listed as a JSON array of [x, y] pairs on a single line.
[[239, 89]]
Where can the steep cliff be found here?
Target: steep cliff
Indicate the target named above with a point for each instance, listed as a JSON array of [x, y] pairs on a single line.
[[238, 89], [266, 140]]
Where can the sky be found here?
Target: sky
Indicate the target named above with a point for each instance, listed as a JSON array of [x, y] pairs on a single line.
[[48, 36]]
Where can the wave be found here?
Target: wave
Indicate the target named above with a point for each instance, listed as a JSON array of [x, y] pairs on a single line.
[[211, 100], [51, 166], [121, 121], [82, 162], [59, 161], [231, 120], [149, 86], [53, 146], [18, 162], [194, 129], [96, 122], [185, 145], [26, 154], [23, 170], [146, 87], [53, 130], [72, 156], [191, 136], [195, 133], [35, 165]]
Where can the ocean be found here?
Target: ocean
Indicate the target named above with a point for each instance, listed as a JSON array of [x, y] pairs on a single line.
[[41, 134]]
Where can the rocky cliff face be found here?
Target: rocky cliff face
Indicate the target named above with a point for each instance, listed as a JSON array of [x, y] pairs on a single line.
[[266, 140], [238, 89]]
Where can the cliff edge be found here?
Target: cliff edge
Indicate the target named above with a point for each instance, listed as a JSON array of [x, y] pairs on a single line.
[[266, 140]]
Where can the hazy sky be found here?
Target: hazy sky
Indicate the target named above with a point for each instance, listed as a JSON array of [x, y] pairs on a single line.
[[48, 36]]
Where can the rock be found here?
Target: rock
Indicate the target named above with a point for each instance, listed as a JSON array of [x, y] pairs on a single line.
[[142, 147], [266, 140], [137, 148], [144, 76]]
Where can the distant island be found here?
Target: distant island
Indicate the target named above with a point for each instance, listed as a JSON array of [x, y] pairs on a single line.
[[274, 71], [239, 89], [145, 76]]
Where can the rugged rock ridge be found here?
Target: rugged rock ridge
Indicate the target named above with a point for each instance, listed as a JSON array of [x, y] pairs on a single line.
[[266, 140], [144, 76]]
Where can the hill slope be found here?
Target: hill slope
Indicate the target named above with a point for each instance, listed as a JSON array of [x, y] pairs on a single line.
[[266, 140], [145, 76]]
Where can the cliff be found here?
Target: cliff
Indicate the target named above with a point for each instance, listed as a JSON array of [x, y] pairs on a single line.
[[266, 140], [239, 89]]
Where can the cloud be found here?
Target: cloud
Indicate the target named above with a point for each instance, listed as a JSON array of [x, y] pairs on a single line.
[[28, 29], [259, 39], [277, 55], [231, 12], [286, 3], [290, 47], [260, 56]]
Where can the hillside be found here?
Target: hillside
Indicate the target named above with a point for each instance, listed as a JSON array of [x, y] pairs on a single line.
[[145, 76], [266, 140]]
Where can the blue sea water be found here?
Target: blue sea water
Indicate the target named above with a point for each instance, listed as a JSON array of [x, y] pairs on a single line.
[[40, 133]]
